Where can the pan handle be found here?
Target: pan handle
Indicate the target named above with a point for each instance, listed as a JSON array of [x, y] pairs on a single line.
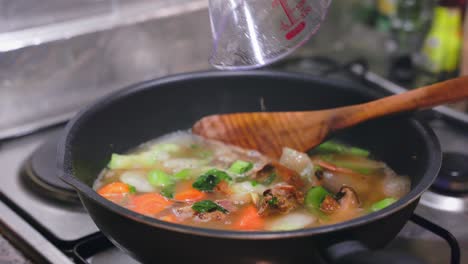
[[354, 252]]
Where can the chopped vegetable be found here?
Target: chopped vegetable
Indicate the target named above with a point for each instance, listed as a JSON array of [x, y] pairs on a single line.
[[207, 206], [255, 197], [138, 180], [159, 178], [189, 195], [210, 179], [168, 191], [241, 167], [114, 188], [142, 160], [249, 219], [270, 179], [298, 162], [395, 186], [335, 147], [183, 178], [273, 201], [315, 197], [291, 221], [242, 191], [183, 174], [206, 182], [178, 164], [382, 204], [150, 203], [165, 147]]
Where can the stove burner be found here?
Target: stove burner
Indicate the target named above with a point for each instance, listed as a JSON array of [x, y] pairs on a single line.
[[453, 176], [41, 168]]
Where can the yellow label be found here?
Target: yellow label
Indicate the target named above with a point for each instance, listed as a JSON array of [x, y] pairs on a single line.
[[387, 7]]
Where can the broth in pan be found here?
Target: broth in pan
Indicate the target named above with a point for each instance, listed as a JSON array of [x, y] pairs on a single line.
[[182, 178]]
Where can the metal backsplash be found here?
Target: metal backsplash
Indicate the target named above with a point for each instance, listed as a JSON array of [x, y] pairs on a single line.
[[43, 84]]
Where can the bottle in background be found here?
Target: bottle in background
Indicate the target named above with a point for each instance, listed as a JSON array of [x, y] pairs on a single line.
[[409, 23], [385, 10], [442, 47]]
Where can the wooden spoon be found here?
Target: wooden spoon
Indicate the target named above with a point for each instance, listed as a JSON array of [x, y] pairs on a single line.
[[269, 132]]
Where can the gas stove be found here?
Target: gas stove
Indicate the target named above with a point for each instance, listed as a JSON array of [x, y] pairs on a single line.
[[42, 217]]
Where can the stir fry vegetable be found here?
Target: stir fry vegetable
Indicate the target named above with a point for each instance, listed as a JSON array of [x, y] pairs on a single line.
[[241, 167], [315, 197], [335, 147], [382, 204], [188, 180]]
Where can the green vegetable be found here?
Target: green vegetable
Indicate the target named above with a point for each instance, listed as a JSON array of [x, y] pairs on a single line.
[[131, 161], [334, 147], [159, 178], [210, 179], [194, 146], [141, 160], [166, 147], [270, 179], [273, 201], [353, 166], [132, 189], [254, 183], [382, 204], [208, 206], [241, 167], [315, 196], [168, 191], [183, 174]]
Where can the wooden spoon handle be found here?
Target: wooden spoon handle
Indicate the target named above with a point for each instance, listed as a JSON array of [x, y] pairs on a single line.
[[425, 97]]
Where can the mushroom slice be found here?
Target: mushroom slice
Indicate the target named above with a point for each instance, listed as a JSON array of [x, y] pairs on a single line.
[[348, 198]]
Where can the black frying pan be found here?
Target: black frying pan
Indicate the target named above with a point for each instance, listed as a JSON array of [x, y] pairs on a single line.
[[151, 109]]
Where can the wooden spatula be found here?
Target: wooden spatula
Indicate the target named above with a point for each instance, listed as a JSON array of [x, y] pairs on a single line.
[[269, 132]]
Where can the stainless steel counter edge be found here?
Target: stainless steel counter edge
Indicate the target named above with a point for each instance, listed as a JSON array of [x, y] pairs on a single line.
[[34, 126], [24, 232]]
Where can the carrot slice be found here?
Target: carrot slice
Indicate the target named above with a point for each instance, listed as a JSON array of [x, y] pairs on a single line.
[[114, 188], [150, 203], [249, 219], [190, 195]]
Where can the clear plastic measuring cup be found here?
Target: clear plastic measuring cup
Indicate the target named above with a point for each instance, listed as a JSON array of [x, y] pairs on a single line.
[[252, 33]]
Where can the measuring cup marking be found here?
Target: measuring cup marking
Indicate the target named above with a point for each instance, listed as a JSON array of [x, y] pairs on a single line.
[[287, 11], [298, 29], [296, 15]]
